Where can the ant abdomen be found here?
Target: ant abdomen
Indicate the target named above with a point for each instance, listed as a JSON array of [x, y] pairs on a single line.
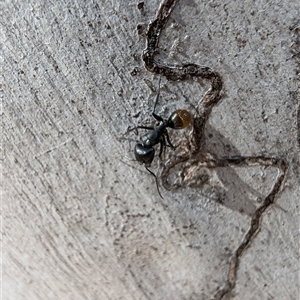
[[179, 119]]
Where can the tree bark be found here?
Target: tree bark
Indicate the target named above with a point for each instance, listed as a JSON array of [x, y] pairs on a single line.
[[80, 218]]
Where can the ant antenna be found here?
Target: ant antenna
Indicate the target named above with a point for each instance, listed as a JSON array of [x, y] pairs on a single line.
[[157, 97], [155, 181]]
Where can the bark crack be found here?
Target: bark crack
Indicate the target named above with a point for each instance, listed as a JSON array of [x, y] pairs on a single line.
[[194, 151]]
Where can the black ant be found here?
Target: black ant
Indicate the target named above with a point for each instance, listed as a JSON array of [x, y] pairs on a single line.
[[144, 151]]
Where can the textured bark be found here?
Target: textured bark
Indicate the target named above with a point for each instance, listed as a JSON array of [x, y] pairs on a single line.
[[80, 218]]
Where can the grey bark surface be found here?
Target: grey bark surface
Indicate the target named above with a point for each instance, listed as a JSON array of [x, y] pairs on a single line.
[[80, 218]]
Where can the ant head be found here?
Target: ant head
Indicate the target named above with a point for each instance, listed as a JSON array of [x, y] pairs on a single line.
[[144, 155], [179, 119]]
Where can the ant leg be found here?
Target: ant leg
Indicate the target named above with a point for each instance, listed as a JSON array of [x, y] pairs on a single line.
[[169, 141], [155, 181], [145, 127], [162, 143], [122, 137], [157, 117]]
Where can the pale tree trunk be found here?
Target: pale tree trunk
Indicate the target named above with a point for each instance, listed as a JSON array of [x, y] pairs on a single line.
[[81, 219]]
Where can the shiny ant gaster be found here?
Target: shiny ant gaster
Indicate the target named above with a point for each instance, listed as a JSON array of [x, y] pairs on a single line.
[[144, 151]]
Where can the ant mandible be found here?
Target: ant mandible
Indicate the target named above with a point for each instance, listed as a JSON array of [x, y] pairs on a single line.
[[144, 151]]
